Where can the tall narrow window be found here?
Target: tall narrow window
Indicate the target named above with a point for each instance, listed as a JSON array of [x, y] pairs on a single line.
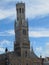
[[24, 31], [17, 18], [20, 10], [25, 53]]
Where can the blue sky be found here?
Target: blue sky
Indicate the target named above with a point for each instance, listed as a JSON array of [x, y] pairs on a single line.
[[37, 12]]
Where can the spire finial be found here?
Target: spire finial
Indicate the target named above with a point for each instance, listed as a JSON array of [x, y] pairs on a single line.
[[6, 50]]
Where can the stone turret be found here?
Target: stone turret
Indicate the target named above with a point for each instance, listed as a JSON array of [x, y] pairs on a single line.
[[22, 44]]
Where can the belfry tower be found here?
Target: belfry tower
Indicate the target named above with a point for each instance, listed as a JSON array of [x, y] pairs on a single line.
[[22, 44]]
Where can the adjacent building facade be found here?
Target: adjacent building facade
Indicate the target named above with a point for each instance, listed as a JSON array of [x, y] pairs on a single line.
[[21, 54]]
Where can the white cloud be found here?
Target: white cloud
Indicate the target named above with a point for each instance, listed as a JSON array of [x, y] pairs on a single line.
[[2, 49], [34, 8], [47, 49], [37, 8], [38, 49], [11, 32], [7, 13], [38, 29], [43, 51], [5, 42], [39, 32], [7, 33]]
